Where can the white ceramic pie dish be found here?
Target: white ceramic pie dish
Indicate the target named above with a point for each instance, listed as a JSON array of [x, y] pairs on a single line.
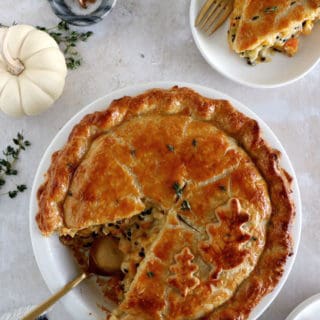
[[55, 261], [280, 71], [309, 309]]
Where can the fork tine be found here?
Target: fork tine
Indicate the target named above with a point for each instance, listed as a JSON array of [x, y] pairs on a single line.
[[203, 11], [210, 12], [224, 15], [214, 15]]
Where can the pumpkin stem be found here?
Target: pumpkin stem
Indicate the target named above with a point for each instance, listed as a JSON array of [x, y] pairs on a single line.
[[14, 66]]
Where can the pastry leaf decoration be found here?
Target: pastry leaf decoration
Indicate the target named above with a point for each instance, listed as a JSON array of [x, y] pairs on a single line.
[[222, 249], [183, 270]]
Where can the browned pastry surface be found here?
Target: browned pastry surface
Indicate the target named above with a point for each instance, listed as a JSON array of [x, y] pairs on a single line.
[[222, 233], [271, 23]]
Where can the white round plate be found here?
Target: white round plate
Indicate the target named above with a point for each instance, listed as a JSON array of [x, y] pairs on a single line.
[[280, 71], [307, 310], [55, 261]]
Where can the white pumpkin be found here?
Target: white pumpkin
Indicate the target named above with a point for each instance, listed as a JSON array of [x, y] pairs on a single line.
[[32, 70]]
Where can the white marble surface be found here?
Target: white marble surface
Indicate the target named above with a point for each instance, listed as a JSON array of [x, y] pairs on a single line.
[[144, 41]]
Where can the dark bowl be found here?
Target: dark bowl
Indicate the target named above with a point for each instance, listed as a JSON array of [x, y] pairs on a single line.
[[71, 12]]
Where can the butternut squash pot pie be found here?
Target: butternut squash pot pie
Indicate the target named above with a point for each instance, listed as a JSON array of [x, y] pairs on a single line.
[[196, 198]]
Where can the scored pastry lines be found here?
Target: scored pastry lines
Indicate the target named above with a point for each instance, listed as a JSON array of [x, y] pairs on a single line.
[[220, 176]]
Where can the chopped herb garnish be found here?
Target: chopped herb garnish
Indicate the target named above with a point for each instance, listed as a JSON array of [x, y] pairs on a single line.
[[133, 152], [178, 189], [144, 213], [186, 223], [222, 188], [150, 274], [255, 18], [70, 166], [70, 193], [270, 9], [185, 205], [194, 142], [292, 3], [7, 164], [170, 147], [142, 254], [67, 39], [253, 238]]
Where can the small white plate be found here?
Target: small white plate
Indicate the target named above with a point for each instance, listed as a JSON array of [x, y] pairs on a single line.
[[55, 261], [307, 310], [280, 71]]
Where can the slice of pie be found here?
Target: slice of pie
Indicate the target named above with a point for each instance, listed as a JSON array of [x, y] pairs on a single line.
[[196, 197], [258, 27]]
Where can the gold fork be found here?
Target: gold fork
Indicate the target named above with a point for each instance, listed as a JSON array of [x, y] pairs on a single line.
[[212, 14]]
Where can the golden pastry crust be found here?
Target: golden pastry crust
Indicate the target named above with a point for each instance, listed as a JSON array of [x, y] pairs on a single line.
[[232, 207], [262, 24]]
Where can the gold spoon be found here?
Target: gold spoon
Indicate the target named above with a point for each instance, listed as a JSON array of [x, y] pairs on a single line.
[[105, 259]]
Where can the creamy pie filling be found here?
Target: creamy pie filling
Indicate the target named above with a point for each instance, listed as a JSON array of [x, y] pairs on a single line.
[[135, 236], [286, 41]]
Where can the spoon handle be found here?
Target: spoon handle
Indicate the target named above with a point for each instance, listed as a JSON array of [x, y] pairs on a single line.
[[54, 298]]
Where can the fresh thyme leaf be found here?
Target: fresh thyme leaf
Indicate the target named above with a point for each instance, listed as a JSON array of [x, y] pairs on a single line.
[[12, 194], [194, 142], [21, 187], [67, 39], [150, 274], [222, 188], [185, 205], [11, 155]]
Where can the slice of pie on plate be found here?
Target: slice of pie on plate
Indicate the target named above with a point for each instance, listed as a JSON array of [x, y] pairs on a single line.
[[258, 27], [196, 197]]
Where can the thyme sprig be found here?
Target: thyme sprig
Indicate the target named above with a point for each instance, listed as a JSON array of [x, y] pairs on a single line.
[[68, 39], [7, 163]]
